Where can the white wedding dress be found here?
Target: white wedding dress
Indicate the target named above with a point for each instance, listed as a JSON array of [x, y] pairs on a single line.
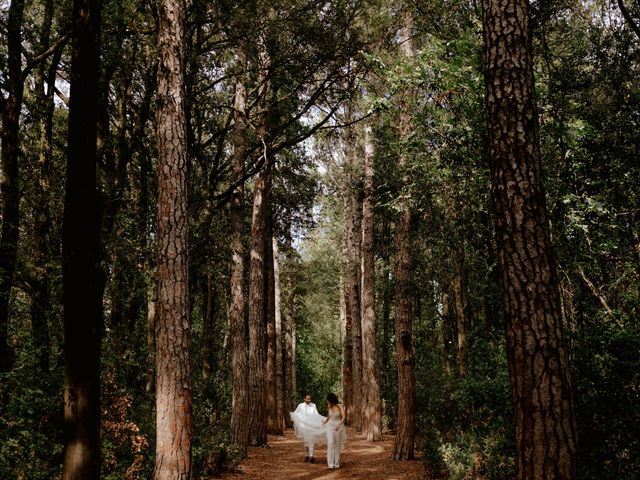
[[308, 426], [335, 439]]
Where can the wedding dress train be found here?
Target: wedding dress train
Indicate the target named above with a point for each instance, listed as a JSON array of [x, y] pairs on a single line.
[[308, 427]]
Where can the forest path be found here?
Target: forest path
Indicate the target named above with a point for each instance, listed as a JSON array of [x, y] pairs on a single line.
[[283, 459]]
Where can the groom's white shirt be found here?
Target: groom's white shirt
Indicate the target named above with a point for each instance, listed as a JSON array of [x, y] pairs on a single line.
[[309, 409]]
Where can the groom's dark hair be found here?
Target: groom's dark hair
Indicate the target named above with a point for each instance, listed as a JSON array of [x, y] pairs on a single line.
[[305, 394]]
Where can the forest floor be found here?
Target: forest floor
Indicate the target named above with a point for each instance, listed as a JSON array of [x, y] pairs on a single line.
[[283, 459]]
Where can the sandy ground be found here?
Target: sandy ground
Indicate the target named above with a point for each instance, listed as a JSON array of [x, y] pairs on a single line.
[[283, 459]]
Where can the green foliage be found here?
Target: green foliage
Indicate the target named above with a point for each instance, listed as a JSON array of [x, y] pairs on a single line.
[[464, 425], [212, 453], [127, 422], [318, 348], [607, 372], [466, 458], [31, 421], [589, 100]]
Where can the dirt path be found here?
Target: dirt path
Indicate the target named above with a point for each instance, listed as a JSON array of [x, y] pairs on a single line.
[[283, 459]]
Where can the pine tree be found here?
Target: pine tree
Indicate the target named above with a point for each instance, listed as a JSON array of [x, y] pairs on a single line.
[[545, 436]]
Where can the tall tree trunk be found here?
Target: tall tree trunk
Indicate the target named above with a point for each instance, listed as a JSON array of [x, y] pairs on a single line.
[[257, 325], [173, 320], [347, 337], [44, 80], [356, 315], [491, 302], [9, 182], [117, 302], [545, 437], [82, 279], [347, 347], [209, 310], [444, 332], [280, 410], [372, 417], [257, 304], [405, 431], [151, 336], [354, 409], [353, 232], [294, 370], [270, 317], [387, 372], [461, 318], [239, 354], [150, 296], [289, 334]]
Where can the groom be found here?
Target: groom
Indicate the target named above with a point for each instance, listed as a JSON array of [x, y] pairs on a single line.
[[308, 408]]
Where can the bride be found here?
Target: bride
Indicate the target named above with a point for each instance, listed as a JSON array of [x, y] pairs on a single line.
[[336, 433]]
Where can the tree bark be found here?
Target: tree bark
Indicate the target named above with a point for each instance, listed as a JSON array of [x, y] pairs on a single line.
[[347, 347], [461, 318], [405, 430], [209, 311], [444, 333], [545, 437], [347, 337], [353, 237], [82, 279], [173, 322], [151, 336], [371, 414], [491, 301], [387, 371], [239, 354], [270, 314], [257, 324], [44, 81], [279, 365], [294, 371], [9, 182], [117, 304], [289, 335], [257, 304]]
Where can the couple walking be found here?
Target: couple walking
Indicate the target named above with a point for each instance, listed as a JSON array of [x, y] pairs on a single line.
[[314, 429]]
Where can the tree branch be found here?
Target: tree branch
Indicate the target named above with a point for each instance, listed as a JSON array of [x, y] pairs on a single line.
[[33, 62], [596, 293], [62, 96], [627, 16]]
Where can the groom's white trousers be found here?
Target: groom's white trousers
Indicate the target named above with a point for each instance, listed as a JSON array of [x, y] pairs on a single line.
[[308, 449]]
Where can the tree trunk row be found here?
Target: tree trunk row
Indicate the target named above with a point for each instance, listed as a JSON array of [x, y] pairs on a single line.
[[360, 370], [270, 375], [263, 353]]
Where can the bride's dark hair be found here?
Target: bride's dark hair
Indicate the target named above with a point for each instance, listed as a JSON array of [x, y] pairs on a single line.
[[332, 399]]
